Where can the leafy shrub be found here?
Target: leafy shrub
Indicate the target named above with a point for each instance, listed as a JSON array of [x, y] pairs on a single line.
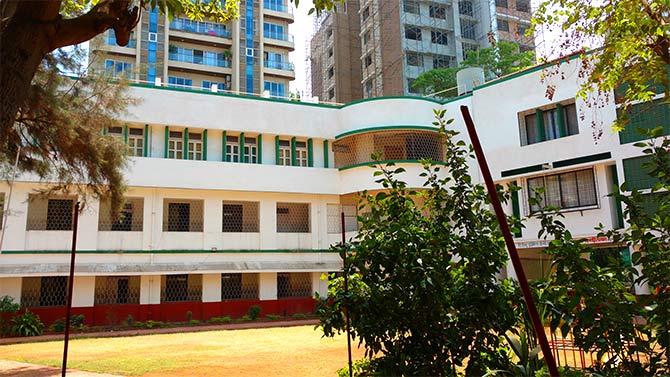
[[193, 322], [76, 323], [299, 316], [150, 324], [27, 324], [361, 368], [220, 320], [273, 317], [7, 305], [254, 312], [245, 318]]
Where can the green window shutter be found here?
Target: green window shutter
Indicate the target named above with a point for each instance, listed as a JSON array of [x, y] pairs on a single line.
[[645, 116], [204, 145], [539, 123], [146, 140], [560, 117], [310, 153], [516, 210], [294, 158], [276, 150], [125, 134], [224, 142], [259, 146], [325, 154], [617, 204], [167, 138], [636, 174], [242, 158], [185, 149]]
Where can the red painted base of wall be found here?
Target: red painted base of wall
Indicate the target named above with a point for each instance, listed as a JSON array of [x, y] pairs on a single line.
[[106, 315]]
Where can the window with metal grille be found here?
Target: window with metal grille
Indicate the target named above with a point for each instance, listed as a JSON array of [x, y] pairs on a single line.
[[637, 173], [365, 13], [232, 149], [367, 61], [240, 217], [469, 29], [523, 5], [501, 3], [367, 88], [437, 11], [293, 218], [250, 150], [239, 286], [331, 93], [116, 132], [366, 38], [178, 288], [442, 61], [334, 212], [554, 123], [136, 141], [414, 59], [183, 215], [410, 6], [176, 145], [465, 8], [110, 290], [413, 32], [294, 284], [467, 47], [569, 190], [301, 153], [503, 25], [129, 220], [195, 146], [438, 37], [285, 152], [43, 291], [645, 116], [54, 213]]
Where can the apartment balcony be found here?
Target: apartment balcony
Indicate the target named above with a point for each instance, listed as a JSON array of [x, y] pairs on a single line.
[[197, 31], [278, 10], [111, 46], [199, 63], [279, 39], [284, 69]]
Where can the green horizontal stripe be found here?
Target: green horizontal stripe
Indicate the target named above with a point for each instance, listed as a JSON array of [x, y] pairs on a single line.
[[237, 251], [427, 99], [385, 162], [386, 128]]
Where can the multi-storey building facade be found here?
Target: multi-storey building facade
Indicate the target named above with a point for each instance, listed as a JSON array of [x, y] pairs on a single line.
[[512, 20], [225, 212], [336, 47], [247, 55]]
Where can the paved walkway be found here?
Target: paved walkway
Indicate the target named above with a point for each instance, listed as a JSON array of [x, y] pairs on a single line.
[[17, 369], [172, 330]]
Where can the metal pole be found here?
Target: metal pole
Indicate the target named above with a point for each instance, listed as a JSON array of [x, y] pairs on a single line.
[[9, 199], [68, 312], [346, 295], [511, 247]]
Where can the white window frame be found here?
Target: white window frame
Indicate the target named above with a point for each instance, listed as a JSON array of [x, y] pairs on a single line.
[[285, 153], [233, 149], [301, 153], [250, 150], [195, 147], [136, 142], [176, 146]]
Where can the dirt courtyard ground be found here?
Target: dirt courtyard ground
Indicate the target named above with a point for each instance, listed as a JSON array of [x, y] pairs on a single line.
[[288, 351]]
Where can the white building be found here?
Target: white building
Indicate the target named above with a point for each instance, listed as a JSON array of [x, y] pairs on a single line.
[[206, 233]]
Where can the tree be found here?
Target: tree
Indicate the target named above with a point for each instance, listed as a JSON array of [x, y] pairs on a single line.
[[42, 114], [502, 59], [632, 40]]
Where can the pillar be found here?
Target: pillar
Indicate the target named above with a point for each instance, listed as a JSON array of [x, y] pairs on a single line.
[[211, 287], [267, 289], [150, 289]]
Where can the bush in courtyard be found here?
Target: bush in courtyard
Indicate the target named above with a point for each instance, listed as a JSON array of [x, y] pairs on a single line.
[[7, 307], [220, 320], [424, 297], [76, 323], [254, 312], [27, 324], [299, 316], [193, 322], [273, 317]]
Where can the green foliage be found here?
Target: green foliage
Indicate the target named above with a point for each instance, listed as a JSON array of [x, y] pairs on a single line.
[[254, 312], [27, 324], [502, 59], [424, 297], [299, 316], [193, 322], [150, 324], [76, 323], [360, 368], [245, 318], [7, 305], [273, 317], [633, 40], [220, 320]]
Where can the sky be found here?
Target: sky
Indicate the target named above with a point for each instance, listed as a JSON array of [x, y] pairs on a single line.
[[302, 30]]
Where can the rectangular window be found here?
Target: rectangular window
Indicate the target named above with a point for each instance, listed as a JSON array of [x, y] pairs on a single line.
[[367, 88], [176, 145], [410, 6], [467, 47], [413, 32], [59, 214], [465, 8], [285, 153], [438, 37], [301, 153], [647, 116], [110, 290], [233, 149], [43, 291], [250, 150], [238, 286], [294, 284], [220, 86], [437, 11], [637, 173], [183, 215], [240, 217], [558, 122], [501, 3], [274, 31], [334, 212], [136, 141], [365, 13], [367, 61], [366, 38], [469, 29], [118, 68], [195, 146], [276, 89], [442, 61], [503, 25], [414, 59], [521, 30], [575, 189], [175, 81], [293, 218], [410, 85], [331, 93], [523, 5], [331, 72], [129, 220], [179, 288]]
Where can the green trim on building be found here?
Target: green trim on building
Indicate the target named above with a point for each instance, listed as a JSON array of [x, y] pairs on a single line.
[[125, 134], [325, 154], [644, 117], [204, 145], [384, 162], [259, 146], [523, 170], [233, 251], [276, 150], [619, 210], [516, 210], [224, 143], [167, 139], [243, 159], [185, 146], [539, 125], [387, 128], [637, 173], [560, 118], [146, 140], [364, 100], [294, 158], [310, 153], [582, 160]]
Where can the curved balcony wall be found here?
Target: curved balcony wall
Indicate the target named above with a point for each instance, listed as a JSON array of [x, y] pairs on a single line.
[[399, 145]]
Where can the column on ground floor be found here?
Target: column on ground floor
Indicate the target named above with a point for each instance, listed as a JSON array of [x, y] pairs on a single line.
[[83, 291], [150, 289], [319, 284], [211, 287], [267, 289], [11, 287]]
